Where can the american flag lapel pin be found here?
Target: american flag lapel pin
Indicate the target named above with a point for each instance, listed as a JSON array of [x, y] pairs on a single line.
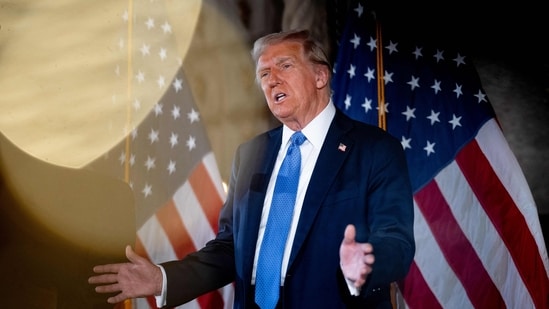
[[342, 147]]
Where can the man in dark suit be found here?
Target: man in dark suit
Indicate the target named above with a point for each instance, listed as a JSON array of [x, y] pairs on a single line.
[[351, 233]]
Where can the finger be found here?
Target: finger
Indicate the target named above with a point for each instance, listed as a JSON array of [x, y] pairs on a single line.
[[103, 279], [350, 233], [369, 259], [129, 251], [111, 288], [132, 256], [107, 268], [116, 299], [359, 282]]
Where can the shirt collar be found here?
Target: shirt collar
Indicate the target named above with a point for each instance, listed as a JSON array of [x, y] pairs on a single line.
[[316, 130]]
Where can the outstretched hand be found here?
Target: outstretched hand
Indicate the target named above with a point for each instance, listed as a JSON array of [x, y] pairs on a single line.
[[136, 278], [356, 258]]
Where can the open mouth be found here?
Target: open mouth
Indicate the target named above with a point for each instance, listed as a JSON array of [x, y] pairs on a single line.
[[279, 97]]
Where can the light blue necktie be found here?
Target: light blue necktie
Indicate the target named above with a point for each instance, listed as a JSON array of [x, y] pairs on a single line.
[[267, 282]]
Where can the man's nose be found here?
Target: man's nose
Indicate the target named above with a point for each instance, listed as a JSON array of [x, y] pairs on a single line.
[[274, 79]]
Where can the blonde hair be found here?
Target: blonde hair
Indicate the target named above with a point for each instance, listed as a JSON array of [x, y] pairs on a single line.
[[311, 47]]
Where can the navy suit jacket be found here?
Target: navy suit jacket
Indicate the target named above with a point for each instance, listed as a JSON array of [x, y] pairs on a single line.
[[365, 182]]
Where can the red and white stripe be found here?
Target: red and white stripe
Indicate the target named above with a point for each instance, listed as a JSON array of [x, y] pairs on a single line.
[[184, 225], [476, 225]]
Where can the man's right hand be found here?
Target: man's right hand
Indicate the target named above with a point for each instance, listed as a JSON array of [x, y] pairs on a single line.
[[136, 278]]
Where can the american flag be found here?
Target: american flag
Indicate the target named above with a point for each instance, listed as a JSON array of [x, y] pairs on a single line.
[[166, 157], [477, 231]]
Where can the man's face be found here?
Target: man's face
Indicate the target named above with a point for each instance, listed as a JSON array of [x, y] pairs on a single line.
[[290, 83]]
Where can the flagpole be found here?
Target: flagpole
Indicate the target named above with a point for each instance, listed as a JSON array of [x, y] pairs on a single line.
[[128, 303], [382, 122], [129, 92]]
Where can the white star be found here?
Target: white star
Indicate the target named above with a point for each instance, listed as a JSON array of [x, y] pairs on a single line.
[[171, 167], [355, 41], [176, 112], [405, 142], [409, 113], [161, 81], [158, 109], [150, 163], [136, 104], [385, 107], [372, 43], [367, 105], [122, 158], [370, 74], [174, 140], [166, 27], [145, 49], [481, 96], [457, 90], [351, 71], [417, 52], [459, 60], [414, 82], [347, 102], [149, 23], [162, 54], [134, 134], [177, 84], [132, 159], [147, 190], [429, 148], [191, 143], [436, 86], [433, 117], [359, 9], [125, 16], [193, 116], [439, 56], [455, 121], [140, 77], [392, 47], [153, 136], [388, 77]]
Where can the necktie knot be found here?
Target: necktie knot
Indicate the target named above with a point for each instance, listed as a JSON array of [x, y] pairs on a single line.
[[297, 138]]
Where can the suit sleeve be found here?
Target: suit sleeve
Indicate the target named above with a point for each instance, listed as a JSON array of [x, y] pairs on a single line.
[[390, 218]]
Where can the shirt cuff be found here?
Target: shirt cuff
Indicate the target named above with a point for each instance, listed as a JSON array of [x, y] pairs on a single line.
[[352, 289], [161, 299]]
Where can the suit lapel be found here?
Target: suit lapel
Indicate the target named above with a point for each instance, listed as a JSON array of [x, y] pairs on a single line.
[[263, 160], [336, 148]]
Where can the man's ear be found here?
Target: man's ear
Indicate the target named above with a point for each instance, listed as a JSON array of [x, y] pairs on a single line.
[[322, 76]]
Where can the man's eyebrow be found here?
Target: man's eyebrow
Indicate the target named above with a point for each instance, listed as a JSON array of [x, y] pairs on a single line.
[[278, 61], [261, 69], [282, 60]]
